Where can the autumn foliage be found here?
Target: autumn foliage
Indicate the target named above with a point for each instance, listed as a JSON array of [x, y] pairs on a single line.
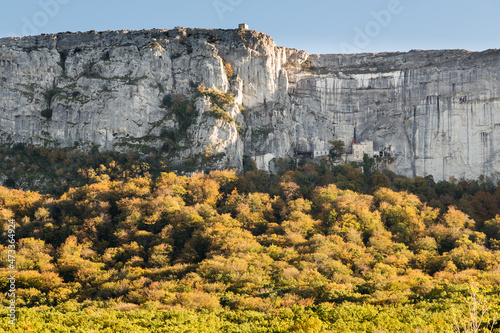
[[220, 241]]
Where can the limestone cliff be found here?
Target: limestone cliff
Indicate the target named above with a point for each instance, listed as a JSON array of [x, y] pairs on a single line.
[[167, 91]]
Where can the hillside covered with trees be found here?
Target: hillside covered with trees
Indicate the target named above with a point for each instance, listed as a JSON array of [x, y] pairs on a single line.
[[316, 248]]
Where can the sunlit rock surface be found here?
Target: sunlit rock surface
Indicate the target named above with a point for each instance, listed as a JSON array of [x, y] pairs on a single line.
[[439, 111]]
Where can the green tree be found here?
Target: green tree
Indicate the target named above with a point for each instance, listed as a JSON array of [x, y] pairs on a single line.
[[337, 149]]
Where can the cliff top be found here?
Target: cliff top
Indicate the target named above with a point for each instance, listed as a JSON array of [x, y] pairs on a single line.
[[320, 63], [396, 61], [143, 37], [70, 40]]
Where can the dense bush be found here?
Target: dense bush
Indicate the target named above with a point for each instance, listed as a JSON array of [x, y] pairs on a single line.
[[307, 251]]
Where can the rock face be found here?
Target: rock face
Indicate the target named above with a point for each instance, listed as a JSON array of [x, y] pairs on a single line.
[[439, 111]]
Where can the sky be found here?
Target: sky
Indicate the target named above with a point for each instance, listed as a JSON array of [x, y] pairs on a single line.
[[316, 26]]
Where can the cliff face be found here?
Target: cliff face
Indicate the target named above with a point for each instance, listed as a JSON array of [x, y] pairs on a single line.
[[438, 110]]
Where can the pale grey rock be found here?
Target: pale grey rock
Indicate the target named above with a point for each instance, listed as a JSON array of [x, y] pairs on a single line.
[[438, 110]]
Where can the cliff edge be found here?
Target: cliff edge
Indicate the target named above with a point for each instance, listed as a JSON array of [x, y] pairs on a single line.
[[209, 97]]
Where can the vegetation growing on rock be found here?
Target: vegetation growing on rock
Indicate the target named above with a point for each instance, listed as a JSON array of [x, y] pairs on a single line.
[[303, 251]]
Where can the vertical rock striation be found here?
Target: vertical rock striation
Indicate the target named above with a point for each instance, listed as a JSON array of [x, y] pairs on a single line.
[[438, 110]]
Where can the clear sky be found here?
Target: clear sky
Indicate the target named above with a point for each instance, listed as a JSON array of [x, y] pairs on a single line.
[[316, 26]]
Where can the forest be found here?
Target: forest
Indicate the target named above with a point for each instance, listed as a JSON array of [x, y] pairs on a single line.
[[109, 242]]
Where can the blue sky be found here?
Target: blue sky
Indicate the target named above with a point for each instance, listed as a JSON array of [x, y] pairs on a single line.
[[316, 26]]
